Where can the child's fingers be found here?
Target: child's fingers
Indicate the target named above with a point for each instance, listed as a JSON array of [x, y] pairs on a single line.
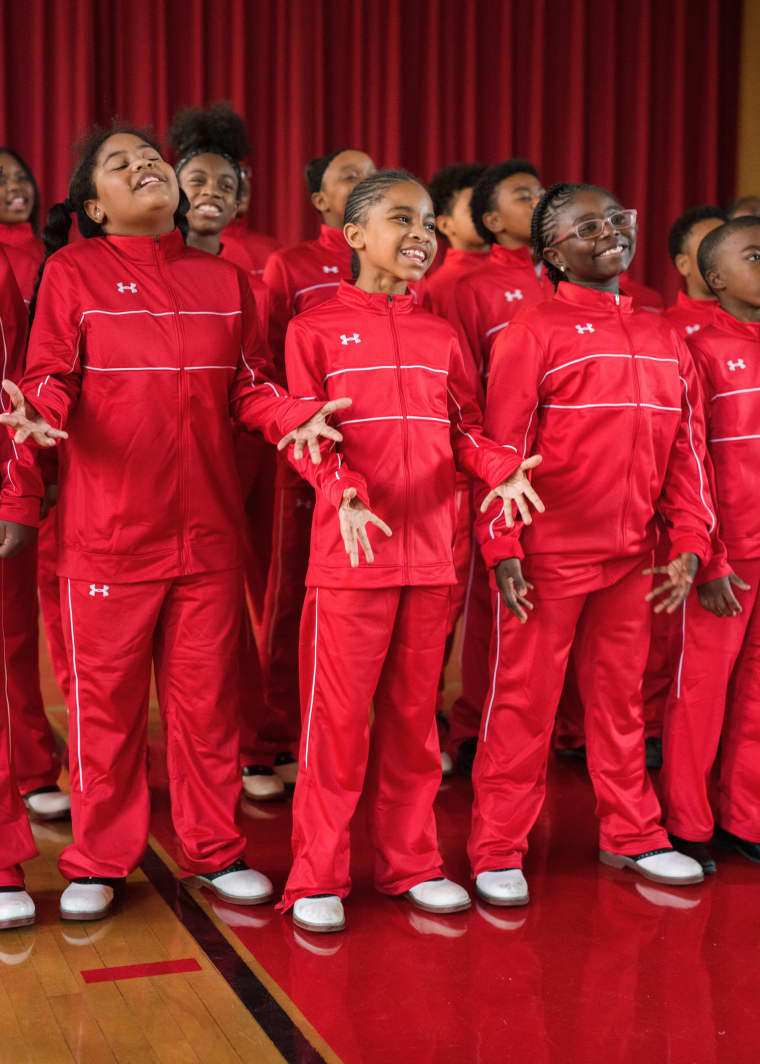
[[335, 404], [330, 433], [297, 449], [532, 462], [380, 524], [488, 500], [534, 498], [524, 509], [314, 452], [365, 544], [656, 570]]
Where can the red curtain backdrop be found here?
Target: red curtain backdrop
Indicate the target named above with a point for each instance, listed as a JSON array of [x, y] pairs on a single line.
[[638, 95]]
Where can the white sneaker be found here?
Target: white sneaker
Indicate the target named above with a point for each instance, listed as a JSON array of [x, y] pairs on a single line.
[[49, 804], [322, 913], [438, 896], [505, 886], [286, 767], [16, 908], [86, 901], [661, 866], [237, 883], [447, 764], [261, 784]]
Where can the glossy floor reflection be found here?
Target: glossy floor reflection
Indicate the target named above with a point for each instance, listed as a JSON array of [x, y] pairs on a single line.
[[601, 966]]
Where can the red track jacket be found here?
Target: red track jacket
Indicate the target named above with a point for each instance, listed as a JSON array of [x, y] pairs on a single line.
[[609, 396], [412, 415], [253, 248], [487, 299], [21, 235], [688, 316], [727, 357], [644, 297], [143, 348], [21, 481], [441, 285]]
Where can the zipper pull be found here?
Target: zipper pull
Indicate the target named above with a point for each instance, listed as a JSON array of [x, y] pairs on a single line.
[[390, 298], [617, 298]]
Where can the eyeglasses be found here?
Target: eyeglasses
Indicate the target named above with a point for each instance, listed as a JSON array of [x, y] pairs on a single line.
[[594, 227]]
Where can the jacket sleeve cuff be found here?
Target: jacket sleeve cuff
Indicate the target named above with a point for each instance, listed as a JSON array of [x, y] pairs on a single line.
[[25, 511], [496, 550], [714, 569], [502, 467], [335, 486], [295, 411], [690, 544]]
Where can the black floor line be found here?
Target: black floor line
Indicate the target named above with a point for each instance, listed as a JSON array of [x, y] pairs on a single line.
[[270, 1016]]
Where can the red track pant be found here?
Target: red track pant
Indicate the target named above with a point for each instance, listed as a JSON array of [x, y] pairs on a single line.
[[717, 689], [16, 843], [611, 630], [291, 534], [34, 751], [255, 459], [477, 623], [50, 599], [356, 644], [189, 628]]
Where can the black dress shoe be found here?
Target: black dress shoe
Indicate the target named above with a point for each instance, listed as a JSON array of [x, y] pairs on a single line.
[[653, 752], [571, 753], [466, 756], [750, 850], [700, 851]]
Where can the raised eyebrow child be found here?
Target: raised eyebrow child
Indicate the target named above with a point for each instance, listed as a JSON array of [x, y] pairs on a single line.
[[608, 395], [715, 699], [374, 626], [146, 350]]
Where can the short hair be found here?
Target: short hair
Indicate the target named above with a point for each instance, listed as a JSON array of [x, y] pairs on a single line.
[[751, 201], [708, 252], [483, 199], [445, 184], [315, 169], [682, 227], [368, 192], [543, 228]]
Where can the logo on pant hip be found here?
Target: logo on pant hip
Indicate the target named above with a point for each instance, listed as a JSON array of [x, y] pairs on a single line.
[[102, 590]]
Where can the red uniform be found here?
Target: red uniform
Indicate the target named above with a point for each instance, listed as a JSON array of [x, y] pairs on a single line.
[[644, 297], [688, 316], [253, 248], [484, 303], [441, 284], [718, 678], [145, 349], [379, 630], [21, 235], [609, 397]]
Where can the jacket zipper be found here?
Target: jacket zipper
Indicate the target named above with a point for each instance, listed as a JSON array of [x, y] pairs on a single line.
[[182, 477], [405, 437], [636, 426]]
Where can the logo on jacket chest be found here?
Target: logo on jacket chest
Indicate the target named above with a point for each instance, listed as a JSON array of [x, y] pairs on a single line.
[[510, 296], [738, 364], [124, 287], [587, 328], [691, 329], [329, 269], [353, 339]]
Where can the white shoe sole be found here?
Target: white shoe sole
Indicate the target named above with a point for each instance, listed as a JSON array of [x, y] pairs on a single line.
[[63, 814], [18, 921], [442, 910], [276, 796], [194, 881], [503, 903], [319, 929], [619, 860], [86, 917]]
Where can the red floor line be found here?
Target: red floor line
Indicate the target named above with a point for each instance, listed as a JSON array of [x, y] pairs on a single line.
[[140, 971]]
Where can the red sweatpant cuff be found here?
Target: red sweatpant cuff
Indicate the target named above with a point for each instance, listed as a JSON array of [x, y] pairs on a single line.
[[658, 840], [495, 864], [27, 784], [401, 886], [12, 877], [290, 897], [214, 862]]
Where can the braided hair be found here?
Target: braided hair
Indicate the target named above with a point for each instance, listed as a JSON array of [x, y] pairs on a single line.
[[368, 192], [34, 217], [216, 130], [543, 224], [55, 235]]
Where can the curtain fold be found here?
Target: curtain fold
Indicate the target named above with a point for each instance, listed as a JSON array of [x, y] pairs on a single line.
[[639, 95]]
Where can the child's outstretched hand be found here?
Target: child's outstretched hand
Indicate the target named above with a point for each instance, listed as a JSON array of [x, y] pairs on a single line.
[[311, 430], [354, 516], [518, 489], [680, 573], [27, 422], [513, 587], [718, 597]]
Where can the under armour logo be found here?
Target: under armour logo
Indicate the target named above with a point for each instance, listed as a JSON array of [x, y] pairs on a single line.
[[329, 269], [346, 340], [739, 364], [306, 504], [95, 590], [588, 327], [127, 287], [692, 329], [517, 294]]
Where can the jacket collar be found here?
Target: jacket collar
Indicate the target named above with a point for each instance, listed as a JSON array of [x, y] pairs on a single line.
[[146, 248], [377, 302], [747, 330], [333, 239], [684, 302], [16, 233], [592, 298], [457, 257], [514, 257]]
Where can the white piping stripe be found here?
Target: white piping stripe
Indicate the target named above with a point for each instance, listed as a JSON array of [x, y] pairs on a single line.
[[495, 665], [530, 422], [5, 366], [587, 358], [683, 649], [467, 597], [737, 391], [313, 680], [459, 426], [392, 417], [131, 369], [496, 328], [5, 662], [211, 367], [76, 691], [696, 458], [311, 287], [164, 313], [731, 439], [369, 369], [588, 406]]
